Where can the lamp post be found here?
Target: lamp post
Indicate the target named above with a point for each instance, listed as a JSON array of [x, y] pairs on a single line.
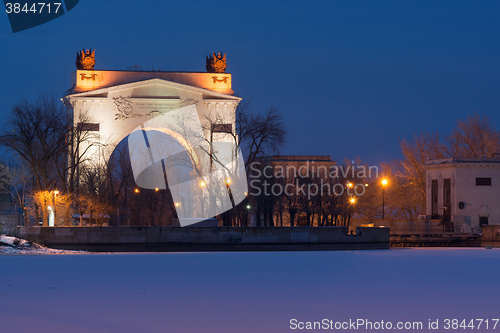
[[56, 192], [384, 183], [228, 182], [51, 216], [132, 211], [202, 198]]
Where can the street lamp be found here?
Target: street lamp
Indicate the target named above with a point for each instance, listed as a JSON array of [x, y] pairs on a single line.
[[202, 197], [228, 182], [384, 183], [56, 192], [51, 216]]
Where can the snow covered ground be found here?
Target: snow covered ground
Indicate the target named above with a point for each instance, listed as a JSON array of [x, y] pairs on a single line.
[[247, 292], [13, 245]]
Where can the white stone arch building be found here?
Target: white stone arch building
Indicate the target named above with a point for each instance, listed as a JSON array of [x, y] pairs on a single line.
[[117, 102]]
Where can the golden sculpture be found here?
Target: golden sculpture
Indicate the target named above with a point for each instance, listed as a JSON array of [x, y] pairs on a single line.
[[86, 77], [216, 79], [85, 60], [216, 63]]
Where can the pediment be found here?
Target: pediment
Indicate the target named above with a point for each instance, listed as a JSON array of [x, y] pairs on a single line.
[[154, 89]]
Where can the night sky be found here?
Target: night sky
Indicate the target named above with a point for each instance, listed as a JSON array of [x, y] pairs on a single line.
[[350, 77]]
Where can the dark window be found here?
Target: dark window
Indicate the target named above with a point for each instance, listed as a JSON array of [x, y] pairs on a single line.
[[90, 127], [434, 197], [222, 128], [447, 199], [483, 181], [483, 220]]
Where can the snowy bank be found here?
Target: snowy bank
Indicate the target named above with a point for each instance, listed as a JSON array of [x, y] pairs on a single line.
[[14, 245]]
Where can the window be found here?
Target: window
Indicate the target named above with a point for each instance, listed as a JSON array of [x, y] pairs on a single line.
[[222, 128], [483, 181], [447, 199], [434, 198], [90, 127], [483, 220]]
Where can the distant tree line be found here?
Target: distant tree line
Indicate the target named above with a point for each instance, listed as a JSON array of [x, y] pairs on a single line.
[[325, 198], [54, 166], [52, 170]]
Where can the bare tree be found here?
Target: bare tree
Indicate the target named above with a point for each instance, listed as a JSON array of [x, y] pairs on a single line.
[[474, 136], [14, 181], [259, 134], [256, 135], [36, 132], [41, 134]]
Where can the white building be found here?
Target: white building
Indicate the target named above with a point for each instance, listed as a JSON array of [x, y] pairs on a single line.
[[465, 191], [179, 125], [117, 102]]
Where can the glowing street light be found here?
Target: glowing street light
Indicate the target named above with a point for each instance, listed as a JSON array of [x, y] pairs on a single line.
[[51, 217], [353, 201], [56, 192], [228, 181], [157, 189], [350, 184], [177, 204], [136, 190], [203, 184], [384, 183]]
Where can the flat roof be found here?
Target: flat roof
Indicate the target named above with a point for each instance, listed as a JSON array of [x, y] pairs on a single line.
[[145, 70], [296, 158], [453, 160]]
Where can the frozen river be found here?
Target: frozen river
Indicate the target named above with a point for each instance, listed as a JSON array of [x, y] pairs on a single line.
[[248, 292]]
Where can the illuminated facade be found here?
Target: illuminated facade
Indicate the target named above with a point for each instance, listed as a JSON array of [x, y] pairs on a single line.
[[114, 103], [463, 191], [165, 116]]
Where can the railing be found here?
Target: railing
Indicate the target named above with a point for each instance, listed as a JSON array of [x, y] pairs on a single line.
[[447, 228], [434, 217]]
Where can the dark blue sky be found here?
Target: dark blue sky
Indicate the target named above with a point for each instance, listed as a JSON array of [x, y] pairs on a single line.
[[350, 77]]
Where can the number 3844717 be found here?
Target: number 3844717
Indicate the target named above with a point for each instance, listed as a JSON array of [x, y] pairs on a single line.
[[472, 324], [34, 8]]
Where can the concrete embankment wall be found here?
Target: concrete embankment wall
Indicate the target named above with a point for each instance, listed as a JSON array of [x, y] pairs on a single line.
[[8, 224], [400, 226], [206, 238], [490, 235]]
